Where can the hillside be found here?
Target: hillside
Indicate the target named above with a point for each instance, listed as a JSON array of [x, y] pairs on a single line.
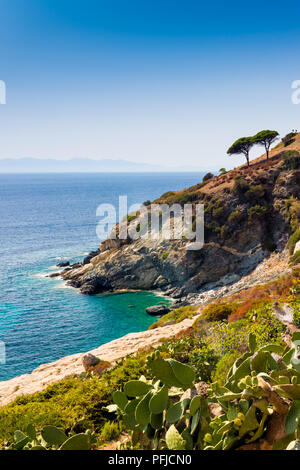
[[220, 371], [249, 213]]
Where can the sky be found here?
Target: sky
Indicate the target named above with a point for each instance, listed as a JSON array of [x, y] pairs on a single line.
[[163, 82]]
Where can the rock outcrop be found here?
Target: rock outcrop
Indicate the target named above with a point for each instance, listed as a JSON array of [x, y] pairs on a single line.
[[246, 218]]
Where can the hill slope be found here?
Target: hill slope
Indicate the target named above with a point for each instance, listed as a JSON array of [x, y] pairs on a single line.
[[249, 213]]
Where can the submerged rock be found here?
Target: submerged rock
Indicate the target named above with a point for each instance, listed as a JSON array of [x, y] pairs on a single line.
[[156, 310]]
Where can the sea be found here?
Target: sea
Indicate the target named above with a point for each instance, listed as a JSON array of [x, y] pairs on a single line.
[[49, 218]]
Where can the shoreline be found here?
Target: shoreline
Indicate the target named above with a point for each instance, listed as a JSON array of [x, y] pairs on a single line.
[[46, 374]]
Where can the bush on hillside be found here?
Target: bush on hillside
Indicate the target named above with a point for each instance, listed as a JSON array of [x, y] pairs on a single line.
[[256, 212], [207, 177], [289, 138], [291, 160], [255, 192]]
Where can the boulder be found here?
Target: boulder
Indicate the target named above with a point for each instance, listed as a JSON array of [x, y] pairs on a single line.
[[89, 360], [93, 364], [297, 247], [157, 310], [63, 264], [283, 313]]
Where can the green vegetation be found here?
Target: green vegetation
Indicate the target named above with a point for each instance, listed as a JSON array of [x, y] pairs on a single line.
[[256, 212], [70, 401], [255, 192], [165, 255], [131, 217], [293, 240], [147, 203], [266, 139], [218, 339], [220, 311], [291, 160], [111, 430], [207, 177], [252, 398], [194, 350], [295, 259], [242, 146], [176, 315], [240, 185], [236, 216], [50, 438]]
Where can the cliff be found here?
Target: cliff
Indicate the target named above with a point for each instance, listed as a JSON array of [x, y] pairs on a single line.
[[248, 215]]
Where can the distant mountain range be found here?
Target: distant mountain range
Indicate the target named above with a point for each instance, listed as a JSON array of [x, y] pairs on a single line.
[[84, 165]]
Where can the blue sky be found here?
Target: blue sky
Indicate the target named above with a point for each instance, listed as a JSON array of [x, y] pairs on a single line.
[[168, 82]]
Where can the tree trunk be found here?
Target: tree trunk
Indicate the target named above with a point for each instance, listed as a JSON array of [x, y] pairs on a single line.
[[267, 151]]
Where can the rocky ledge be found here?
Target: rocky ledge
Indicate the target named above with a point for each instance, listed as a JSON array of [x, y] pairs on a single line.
[[246, 219]]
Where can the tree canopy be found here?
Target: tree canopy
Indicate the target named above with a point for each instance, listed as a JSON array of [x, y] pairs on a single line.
[[266, 138], [242, 146]]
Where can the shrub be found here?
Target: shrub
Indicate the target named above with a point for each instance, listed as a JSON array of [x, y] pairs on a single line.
[[131, 217], [255, 192], [167, 194], [111, 430], [68, 401], [293, 240], [207, 177], [289, 138], [177, 315], [240, 185], [256, 212], [165, 255], [231, 337], [294, 210], [184, 198], [218, 212], [160, 418], [223, 366], [291, 160], [218, 311], [193, 350], [295, 259], [224, 232]]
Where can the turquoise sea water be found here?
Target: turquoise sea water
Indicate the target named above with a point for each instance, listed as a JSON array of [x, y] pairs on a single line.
[[48, 218]]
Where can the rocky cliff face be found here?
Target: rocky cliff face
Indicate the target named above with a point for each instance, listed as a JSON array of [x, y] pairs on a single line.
[[247, 216]]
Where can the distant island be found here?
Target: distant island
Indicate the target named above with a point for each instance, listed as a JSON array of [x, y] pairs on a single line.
[[85, 165]]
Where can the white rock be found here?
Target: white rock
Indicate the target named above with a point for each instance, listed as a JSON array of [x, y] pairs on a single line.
[[297, 247]]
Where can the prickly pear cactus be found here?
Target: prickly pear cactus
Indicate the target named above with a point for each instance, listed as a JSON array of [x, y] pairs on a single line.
[[50, 438], [262, 383]]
